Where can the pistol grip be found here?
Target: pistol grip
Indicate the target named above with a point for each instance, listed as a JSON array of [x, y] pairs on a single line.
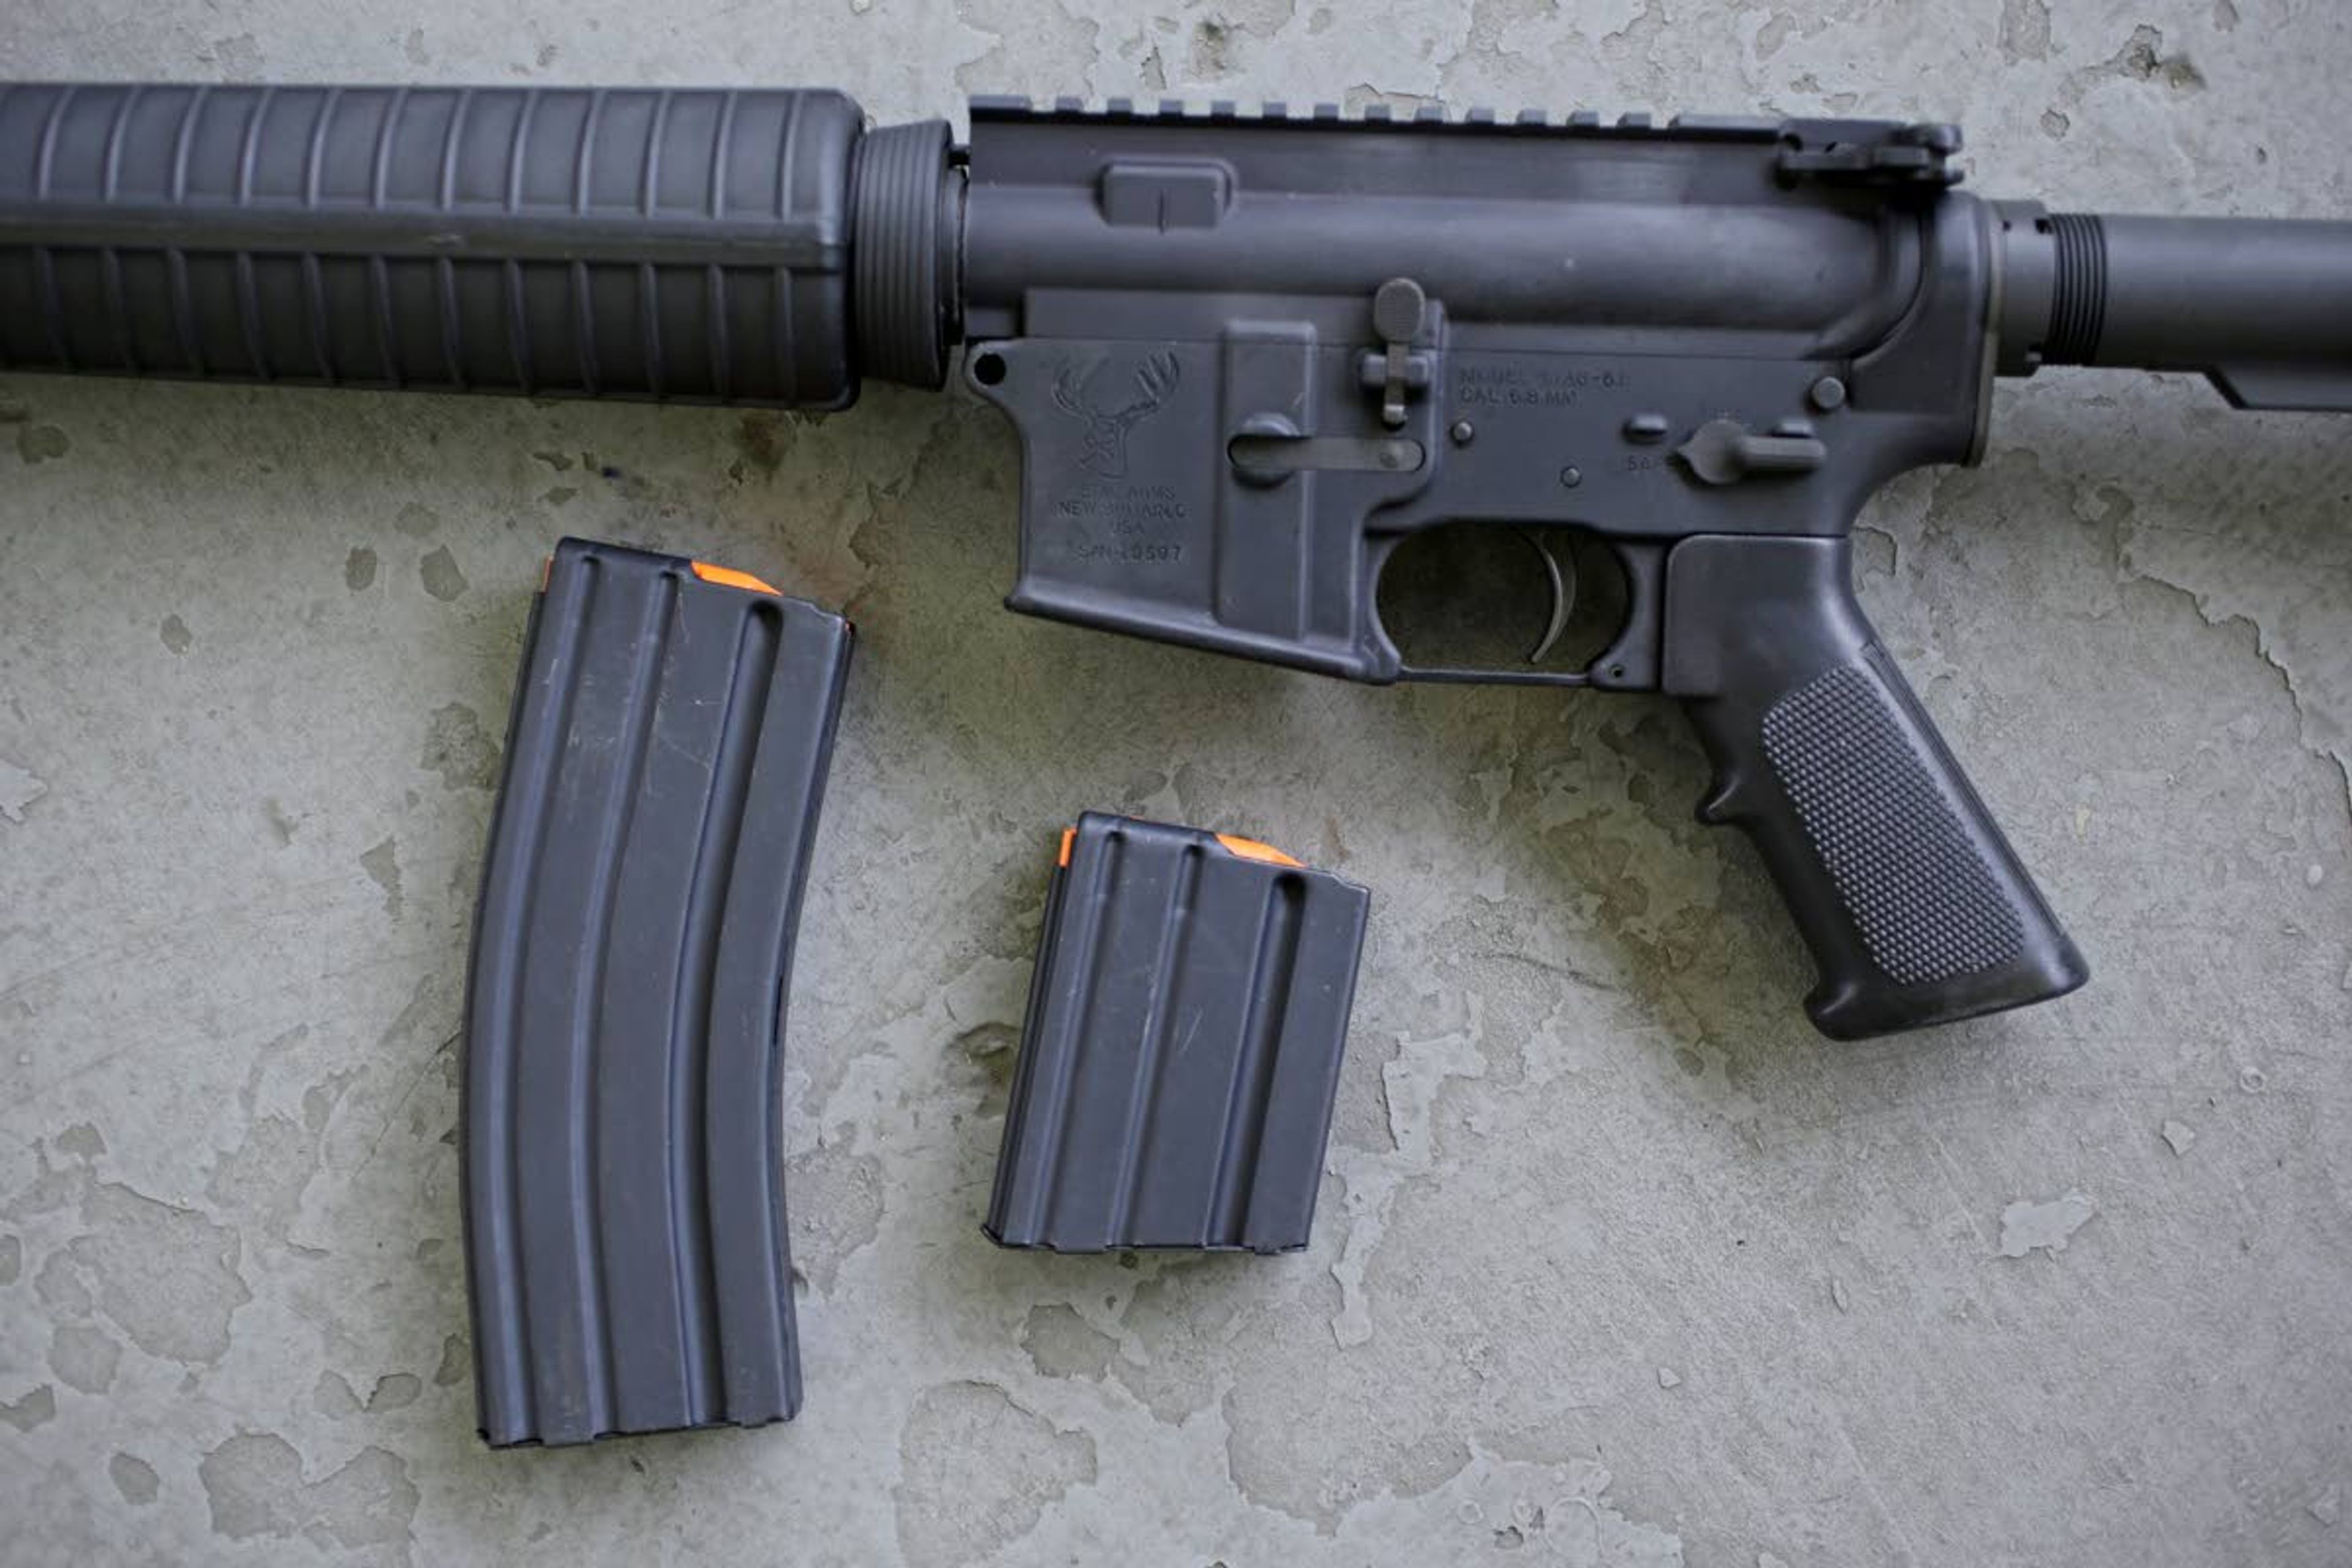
[[1916, 909]]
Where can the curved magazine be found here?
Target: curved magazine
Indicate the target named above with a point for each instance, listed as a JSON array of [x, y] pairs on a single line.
[[627, 1261]]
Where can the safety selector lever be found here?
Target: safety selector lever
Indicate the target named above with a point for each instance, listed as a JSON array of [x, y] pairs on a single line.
[[1395, 372], [1725, 451]]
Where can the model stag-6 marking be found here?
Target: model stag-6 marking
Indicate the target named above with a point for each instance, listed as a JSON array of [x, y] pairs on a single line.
[[1261, 363]]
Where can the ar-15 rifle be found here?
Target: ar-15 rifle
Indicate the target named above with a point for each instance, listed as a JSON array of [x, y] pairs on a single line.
[[1261, 363]]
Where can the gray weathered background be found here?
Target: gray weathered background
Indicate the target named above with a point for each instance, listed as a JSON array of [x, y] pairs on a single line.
[[1617, 1262]]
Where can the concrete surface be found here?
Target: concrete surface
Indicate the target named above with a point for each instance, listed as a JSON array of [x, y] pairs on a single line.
[[1617, 1262]]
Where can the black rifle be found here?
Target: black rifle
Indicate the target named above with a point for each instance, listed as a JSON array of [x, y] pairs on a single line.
[[1262, 365]]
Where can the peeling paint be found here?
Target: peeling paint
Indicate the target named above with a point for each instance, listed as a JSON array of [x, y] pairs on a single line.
[[977, 1472], [395, 1391], [254, 1485], [381, 864], [61, 1287], [1041, 44], [165, 1273], [1173, 1334], [35, 1409], [135, 1479], [2024, 30], [1062, 1344], [459, 749], [442, 579], [2026, 1225], [262, 1181], [836, 1210], [2324, 731], [1564, 1512], [2140, 59], [332, 1397], [1411, 1083], [83, 1358], [39, 443], [18, 789]]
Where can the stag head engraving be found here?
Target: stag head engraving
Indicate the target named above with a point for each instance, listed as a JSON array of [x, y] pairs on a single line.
[[1106, 427]]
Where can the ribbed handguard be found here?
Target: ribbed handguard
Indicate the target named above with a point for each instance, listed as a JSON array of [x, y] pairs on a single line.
[[552, 241]]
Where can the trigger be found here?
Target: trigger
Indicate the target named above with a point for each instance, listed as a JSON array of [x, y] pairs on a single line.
[[1561, 597]]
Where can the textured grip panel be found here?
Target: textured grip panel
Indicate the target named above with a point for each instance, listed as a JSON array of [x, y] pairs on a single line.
[[1916, 885], [548, 241]]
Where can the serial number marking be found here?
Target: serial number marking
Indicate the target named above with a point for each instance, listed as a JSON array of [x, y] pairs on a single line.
[[1124, 525], [1130, 553]]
